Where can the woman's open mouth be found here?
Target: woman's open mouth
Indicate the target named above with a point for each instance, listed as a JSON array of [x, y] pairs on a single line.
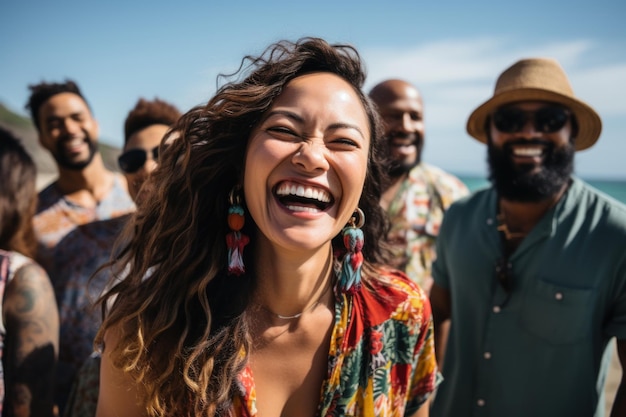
[[299, 197]]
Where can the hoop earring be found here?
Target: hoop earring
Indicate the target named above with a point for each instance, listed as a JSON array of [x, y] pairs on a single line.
[[350, 278], [235, 240]]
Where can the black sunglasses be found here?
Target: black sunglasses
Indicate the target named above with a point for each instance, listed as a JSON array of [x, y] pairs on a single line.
[[547, 119], [133, 159]]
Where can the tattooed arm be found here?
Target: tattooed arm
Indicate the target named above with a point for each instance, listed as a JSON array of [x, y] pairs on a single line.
[[32, 343]]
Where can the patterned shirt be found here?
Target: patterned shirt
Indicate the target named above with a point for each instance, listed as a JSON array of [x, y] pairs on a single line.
[[73, 242], [415, 214], [381, 360]]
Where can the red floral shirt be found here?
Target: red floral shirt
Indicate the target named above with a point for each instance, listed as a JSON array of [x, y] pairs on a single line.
[[382, 358]]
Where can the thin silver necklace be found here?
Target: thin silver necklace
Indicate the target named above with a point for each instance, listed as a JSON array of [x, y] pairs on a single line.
[[309, 308]]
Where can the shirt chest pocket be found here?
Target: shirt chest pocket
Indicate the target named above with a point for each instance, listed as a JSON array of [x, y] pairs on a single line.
[[557, 314]]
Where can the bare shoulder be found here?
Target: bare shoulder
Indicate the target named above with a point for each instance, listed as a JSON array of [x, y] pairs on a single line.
[[118, 395], [30, 292], [32, 342]]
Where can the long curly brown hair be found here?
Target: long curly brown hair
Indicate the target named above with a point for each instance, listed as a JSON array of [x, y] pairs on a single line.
[[184, 333]]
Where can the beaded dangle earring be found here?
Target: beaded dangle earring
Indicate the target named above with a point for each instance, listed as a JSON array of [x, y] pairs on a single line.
[[350, 278], [235, 240]]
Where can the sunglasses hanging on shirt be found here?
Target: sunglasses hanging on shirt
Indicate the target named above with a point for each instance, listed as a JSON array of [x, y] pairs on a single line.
[[547, 119], [504, 277], [133, 159]]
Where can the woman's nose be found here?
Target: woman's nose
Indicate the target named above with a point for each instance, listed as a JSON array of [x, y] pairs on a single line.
[[311, 156]]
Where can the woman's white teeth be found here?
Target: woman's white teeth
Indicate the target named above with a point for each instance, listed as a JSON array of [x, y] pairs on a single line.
[[301, 208], [302, 191]]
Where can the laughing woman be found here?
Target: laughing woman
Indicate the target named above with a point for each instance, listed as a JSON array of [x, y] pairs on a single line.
[[256, 282]]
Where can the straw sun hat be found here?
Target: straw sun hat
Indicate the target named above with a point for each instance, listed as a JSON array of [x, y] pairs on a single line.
[[539, 79]]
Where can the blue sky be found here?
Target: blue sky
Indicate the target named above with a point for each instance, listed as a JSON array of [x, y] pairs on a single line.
[[453, 51]]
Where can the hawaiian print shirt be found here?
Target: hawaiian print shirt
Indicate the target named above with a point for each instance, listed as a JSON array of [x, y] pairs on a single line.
[[415, 214], [381, 360], [74, 242]]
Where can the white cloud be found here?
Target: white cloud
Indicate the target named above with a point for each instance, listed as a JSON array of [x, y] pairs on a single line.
[[463, 59]]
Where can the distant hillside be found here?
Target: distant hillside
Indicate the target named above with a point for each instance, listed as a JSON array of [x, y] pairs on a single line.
[[11, 118], [23, 127]]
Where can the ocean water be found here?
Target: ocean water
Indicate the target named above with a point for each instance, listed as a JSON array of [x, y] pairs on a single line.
[[614, 188]]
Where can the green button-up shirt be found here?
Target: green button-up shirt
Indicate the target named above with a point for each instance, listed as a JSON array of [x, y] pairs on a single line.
[[542, 349]]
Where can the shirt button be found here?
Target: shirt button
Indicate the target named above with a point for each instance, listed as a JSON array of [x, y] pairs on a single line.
[[487, 355], [490, 221], [558, 296], [496, 309], [480, 402]]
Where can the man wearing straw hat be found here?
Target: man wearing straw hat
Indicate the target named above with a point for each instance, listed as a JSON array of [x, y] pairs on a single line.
[[530, 276]]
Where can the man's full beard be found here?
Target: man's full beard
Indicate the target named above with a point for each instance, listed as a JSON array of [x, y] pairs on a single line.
[[398, 168], [520, 183], [66, 163]]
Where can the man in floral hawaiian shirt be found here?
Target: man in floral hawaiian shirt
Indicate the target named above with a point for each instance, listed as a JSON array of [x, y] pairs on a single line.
[[419, 193]]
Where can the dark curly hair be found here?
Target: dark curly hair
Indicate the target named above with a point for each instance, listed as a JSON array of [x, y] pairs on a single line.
[[185, 328], [40, 93], [147, 113]]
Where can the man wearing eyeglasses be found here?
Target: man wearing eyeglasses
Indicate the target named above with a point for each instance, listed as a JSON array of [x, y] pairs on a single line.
[[77, 218], [530, 276], [419, 193]]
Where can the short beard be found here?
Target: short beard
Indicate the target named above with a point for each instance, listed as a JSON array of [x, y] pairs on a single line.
[[399, 169], [63, 162], [518, 183]]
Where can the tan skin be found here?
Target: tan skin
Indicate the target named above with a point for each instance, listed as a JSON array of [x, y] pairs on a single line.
[[402, 109], [521, 217], [32, 343], [289, 360], [66, 119], [321, 146], [317, 135], [146, 139]]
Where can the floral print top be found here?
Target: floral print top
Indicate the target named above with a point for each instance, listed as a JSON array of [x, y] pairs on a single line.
[[381, 360], [415, 215]]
